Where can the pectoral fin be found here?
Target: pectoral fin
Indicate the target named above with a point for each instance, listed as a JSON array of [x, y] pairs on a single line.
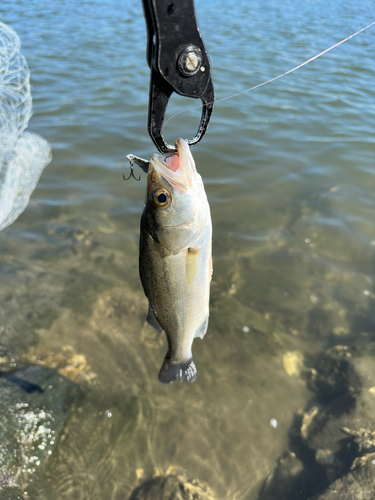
[[192, 264], [151, 320]]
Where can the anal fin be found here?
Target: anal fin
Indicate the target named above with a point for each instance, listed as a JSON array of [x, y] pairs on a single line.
[[201, 331]]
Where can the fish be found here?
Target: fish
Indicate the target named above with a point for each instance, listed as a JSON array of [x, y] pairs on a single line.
[[175, 256]]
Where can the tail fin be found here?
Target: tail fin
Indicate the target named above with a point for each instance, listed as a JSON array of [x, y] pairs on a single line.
[[170, 371]]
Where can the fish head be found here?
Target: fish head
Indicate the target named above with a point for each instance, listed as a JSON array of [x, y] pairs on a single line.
[[176, 205]]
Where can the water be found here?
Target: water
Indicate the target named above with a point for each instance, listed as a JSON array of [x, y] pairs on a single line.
[[289, 173]]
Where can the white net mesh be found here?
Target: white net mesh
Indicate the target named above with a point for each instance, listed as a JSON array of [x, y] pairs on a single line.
[[23, 156]]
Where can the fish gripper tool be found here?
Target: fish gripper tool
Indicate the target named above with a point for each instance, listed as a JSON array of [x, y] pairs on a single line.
[[179, 63]]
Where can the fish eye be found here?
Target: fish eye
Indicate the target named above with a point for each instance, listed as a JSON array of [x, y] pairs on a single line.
[[161, 197]]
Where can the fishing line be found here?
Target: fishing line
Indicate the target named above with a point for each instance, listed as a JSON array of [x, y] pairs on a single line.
[[276, 77]]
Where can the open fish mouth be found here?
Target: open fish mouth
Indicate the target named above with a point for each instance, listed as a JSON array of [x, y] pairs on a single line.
[[179, 168]]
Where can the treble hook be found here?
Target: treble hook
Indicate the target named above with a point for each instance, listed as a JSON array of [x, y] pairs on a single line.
[[131, 173]]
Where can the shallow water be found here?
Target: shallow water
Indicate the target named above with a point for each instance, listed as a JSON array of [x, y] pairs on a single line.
[[289, 173]]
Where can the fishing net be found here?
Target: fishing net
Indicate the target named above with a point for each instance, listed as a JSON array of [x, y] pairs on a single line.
[[23, 155]]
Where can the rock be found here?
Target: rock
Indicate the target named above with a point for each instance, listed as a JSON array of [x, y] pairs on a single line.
[[341, 430], [281, 483], [357, 484], [8, 359], [326, 458], [309, 422], [332, 443], [172, 486], [334, 374], [33, 409], [66, 362], [293, 363]]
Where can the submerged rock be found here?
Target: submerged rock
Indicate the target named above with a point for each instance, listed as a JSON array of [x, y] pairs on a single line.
[[33, 409], [282, 482], [66, 362], [357, 484], [334, 374], [172, 486], [293, 363], [7, 359], [332, 443]]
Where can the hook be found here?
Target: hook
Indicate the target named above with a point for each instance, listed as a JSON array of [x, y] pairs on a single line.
[[131, 173]]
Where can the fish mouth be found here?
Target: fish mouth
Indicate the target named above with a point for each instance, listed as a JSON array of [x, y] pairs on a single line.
[[179, 168]]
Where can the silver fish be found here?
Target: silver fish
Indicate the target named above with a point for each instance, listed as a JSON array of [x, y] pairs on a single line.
[[175, 262]]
